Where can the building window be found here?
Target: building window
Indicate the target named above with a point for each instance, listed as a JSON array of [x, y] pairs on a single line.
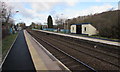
[[72, 28], [84, 28]]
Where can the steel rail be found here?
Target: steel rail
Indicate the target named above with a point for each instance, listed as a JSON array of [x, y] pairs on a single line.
[[92, 56], [91, 68], [88, 48]]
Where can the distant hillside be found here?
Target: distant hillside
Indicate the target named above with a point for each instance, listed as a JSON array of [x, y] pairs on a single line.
[[107, 23]]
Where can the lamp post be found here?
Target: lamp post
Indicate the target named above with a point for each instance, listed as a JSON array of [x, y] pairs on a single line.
[[13, 27]]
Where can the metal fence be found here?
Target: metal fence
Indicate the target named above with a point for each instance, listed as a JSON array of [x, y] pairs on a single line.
[[56, 30]]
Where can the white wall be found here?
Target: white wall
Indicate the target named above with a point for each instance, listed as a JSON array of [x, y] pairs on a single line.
[[90, 30], [73, 28]]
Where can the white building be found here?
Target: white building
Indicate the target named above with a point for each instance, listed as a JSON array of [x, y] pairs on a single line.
[[83, 28]]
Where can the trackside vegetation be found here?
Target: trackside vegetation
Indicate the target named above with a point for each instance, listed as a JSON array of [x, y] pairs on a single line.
[[7, 42]]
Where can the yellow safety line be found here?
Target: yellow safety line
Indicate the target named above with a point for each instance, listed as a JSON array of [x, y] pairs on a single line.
[[38, 63]]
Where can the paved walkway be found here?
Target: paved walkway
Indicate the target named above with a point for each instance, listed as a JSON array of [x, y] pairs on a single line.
[[19, 58]]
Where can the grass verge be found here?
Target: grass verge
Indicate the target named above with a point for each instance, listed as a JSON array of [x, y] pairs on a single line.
[[6, 43], [98, 37]]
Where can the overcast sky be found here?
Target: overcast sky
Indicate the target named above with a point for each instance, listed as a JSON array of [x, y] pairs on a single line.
[[38, 10]]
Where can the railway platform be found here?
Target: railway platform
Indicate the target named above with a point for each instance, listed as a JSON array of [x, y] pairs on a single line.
[[28, 55], [42, 59], [85, 38], [18, 57]]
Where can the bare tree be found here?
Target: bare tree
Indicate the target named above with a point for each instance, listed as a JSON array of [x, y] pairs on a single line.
[[6, 18], [6, 12], [60, 21]]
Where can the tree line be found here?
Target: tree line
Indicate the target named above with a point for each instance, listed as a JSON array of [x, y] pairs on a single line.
[[6, 18], [107, 23]]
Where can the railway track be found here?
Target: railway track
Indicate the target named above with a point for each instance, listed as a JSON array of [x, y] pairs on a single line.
[[93, 48], [71, 62], [103, 57], [78, 49], [84, 49]]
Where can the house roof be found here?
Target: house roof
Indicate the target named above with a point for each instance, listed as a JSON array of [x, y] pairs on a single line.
[[81, 24]]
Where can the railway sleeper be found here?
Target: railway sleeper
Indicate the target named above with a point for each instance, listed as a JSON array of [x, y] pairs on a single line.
[[70, 62], [74, 66], [61, 57], [65, 60]]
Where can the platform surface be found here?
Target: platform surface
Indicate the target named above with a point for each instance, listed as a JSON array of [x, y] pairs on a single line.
[[19, 58], [86, 38], [41, 60]]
